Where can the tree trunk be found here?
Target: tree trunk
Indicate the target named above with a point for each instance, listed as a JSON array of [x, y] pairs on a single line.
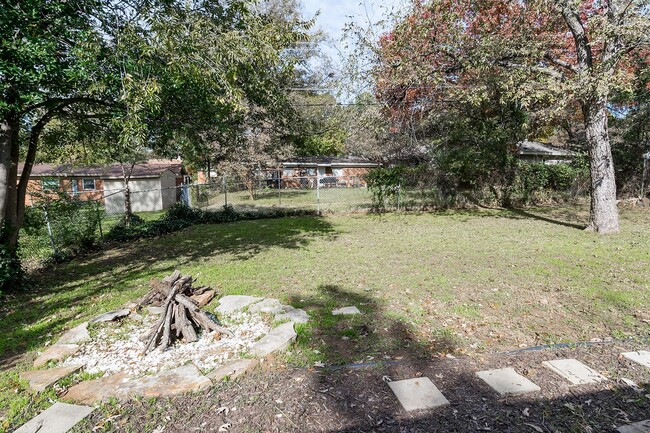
[[604, 212], [9, 154]]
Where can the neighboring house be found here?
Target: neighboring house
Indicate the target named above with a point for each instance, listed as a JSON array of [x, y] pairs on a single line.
[[330, 171], [536, 152], [152, 184]]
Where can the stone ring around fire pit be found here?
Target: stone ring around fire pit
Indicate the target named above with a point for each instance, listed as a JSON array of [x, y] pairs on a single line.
[[115, 349]]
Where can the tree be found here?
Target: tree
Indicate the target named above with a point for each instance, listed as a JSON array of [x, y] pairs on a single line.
[[143, 75], [547, 56]]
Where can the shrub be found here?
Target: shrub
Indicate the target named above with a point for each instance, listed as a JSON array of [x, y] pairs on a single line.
[[179, 216]]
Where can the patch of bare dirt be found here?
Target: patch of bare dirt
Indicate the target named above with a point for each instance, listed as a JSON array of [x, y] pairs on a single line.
[[278, 398]]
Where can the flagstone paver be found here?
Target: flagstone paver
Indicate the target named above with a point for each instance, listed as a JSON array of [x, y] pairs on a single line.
[[233, 303], [58, 418], [506, 381], [233, 369], [296, 315], [268, 305], [574, 371], [417, 394], [111, 315], [56, 352], [637, 427], [278, 339], [641, 357], [40, 380], [177, 381], [122, 387], [77, 335], [346, 311]]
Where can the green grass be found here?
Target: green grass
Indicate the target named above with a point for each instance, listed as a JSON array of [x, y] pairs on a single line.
[[426, 283]]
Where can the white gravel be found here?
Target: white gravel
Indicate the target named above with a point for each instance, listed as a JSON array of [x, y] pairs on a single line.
[[117, 348]]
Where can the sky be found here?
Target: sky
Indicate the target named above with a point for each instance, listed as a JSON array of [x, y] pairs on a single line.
[[335, 14]]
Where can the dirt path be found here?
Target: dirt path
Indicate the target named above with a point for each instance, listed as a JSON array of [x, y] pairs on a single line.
[[278, 398]]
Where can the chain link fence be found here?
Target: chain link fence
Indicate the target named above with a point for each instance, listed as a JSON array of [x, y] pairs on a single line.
[[66, 224]]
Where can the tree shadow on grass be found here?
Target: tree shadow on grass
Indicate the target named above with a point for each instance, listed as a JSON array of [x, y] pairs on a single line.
[[65, 293]]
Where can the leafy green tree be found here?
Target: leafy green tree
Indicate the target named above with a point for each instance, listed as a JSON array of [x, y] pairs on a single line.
[[548, 56]]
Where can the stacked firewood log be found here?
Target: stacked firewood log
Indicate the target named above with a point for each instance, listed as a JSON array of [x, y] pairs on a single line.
[[181, 317]]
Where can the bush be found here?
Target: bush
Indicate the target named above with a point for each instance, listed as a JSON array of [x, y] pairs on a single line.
[[11, 271], [180, 216], [384, 185]]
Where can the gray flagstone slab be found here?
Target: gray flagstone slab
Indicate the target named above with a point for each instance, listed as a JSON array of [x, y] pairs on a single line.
[[637, 427], [278, 339], [58, 418]]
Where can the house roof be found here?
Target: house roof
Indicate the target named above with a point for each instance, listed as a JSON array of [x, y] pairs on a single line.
[[151, 168], [331, 161], [535, 148]]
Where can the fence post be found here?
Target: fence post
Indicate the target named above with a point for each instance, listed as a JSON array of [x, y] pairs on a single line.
[[318, 193], [49, 230], [225, 191], [99, 221], [399, 194], [280, 191]]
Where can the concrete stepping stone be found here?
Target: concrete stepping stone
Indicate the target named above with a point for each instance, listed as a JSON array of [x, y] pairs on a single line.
[[296, 315], [111, 315], [58, 418], [40, 380], [278, 339], [574, 371], [233, 303], [268, 305], [346, 311], [506, 381], [77, 335], [418, 394], [641, 357], [233, 369], [56, 352], [637, 427]]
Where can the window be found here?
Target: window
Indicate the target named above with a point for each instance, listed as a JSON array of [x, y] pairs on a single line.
[[88, 184], [311, 172], [50, 184], [328, 171], [287, 172]]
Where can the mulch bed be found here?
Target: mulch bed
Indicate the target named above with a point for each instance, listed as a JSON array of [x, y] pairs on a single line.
[[278, 398]]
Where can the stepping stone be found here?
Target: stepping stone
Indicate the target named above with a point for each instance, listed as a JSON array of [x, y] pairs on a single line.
[[122, 387], [78, 334], [642, 357], [268, 305], [111, 315], [506, 381], [296, 315], [278, 339], [418, 394], [233, 369], [58, 418], [637, 427], [167, 383], [100, 390], [574, 371], [56, 352], [233, 303], [39, 380], [346, 311]]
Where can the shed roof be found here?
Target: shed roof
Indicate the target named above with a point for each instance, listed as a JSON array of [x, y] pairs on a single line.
[[151, 168], [540, 149], [315, 161]]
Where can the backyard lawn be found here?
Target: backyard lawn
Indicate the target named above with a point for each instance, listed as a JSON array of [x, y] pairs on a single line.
[[462, 283]]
